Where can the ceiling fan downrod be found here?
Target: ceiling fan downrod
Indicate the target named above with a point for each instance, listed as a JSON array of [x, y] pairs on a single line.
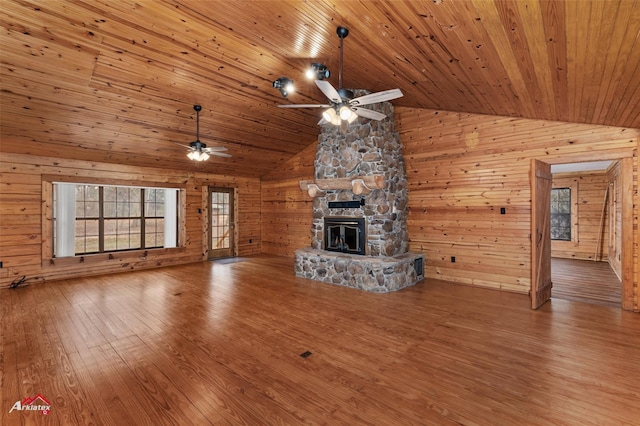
[[197, 108], [342, 34]]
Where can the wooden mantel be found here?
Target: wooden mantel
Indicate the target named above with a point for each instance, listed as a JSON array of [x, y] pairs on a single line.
[[358, 184]]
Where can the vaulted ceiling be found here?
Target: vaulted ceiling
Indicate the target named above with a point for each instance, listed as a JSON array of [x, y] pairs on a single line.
[[116, 81]]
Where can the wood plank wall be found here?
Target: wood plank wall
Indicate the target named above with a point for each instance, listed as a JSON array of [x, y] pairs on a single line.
[[462, 169], [21, 217], [286, 209], [590, 231]]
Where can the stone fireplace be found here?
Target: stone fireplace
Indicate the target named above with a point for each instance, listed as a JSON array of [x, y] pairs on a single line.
[[360, 195]]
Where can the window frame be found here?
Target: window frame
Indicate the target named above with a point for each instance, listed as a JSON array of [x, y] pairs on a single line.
[[572, 184], [137, 253], [102, 219], [551, 213]]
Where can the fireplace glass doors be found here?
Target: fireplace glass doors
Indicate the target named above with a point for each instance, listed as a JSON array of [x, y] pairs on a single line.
[[345, 234]]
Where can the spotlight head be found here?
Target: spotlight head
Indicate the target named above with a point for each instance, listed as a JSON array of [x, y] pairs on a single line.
[[285, 85], [317, 72]]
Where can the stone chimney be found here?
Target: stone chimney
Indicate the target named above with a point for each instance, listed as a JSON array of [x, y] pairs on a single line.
[[365, 148], [359, 173]]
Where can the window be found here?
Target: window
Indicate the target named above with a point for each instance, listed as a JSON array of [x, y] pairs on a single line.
[[99, 218], [561, 214]]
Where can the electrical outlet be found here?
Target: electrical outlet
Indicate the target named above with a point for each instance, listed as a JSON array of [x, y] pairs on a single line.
[[0, 264], [250, 241], [503, 210], [453, 259]]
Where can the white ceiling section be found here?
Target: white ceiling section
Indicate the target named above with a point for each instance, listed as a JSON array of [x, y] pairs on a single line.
[[581, 167]]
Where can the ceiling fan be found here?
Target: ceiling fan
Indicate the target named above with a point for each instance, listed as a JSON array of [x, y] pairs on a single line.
[[344, 107], [199, 151]]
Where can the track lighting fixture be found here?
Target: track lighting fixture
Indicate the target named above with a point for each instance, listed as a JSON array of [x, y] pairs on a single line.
[[317, 72], [285, 85], [342, 106]]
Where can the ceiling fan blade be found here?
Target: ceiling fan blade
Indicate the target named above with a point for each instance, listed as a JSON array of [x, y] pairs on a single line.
[[376, 97], [367, 113], [218, 153], [329, 91], [183, 145], [215, 148], [304, 106]]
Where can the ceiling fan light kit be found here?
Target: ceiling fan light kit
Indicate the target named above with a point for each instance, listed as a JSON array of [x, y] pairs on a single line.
[[198, 156], [343, 107], [347, 114], [198, 151], [331, 116]]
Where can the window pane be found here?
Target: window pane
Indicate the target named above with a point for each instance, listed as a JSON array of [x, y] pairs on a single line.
[[110, 209], [92, 193], [86, 201], [154, 202], [154, 233], [110, 234], [87, 236], [128, 234], [135, 202], [561, 214]]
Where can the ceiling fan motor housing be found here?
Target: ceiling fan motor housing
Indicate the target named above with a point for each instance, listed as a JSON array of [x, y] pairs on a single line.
[[342, 32], [345, 94]]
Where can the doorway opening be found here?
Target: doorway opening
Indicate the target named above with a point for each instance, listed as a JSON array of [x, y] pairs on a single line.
[[589, 262], [221, 223]]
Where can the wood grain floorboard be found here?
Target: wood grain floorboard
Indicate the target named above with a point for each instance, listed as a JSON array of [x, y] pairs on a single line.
[[220, 343], [585, 281]]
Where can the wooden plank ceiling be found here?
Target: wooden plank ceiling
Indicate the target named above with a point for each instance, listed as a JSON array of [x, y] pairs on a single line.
[[116, 81]]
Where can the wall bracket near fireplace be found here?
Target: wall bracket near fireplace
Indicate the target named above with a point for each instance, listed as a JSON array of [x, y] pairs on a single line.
[[358, 184]]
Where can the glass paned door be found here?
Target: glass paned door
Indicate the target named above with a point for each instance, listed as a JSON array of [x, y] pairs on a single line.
[[221, 223]]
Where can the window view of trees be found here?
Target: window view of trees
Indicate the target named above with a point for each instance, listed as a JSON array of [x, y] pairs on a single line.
[[113, 218], [561, 214], [220, 220], [87, 219]]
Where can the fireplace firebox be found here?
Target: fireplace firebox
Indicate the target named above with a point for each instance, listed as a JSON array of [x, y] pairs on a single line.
[[345, 234]]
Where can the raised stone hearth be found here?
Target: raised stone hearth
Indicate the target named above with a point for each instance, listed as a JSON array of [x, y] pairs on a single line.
[[359, 173], [371, 273]]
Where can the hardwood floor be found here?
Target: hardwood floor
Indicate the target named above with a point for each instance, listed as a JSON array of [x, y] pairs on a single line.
[[221, 343], [585, 281]]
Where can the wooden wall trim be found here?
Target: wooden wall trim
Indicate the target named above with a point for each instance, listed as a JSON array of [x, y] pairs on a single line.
[[179, 183], [629, 266]]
